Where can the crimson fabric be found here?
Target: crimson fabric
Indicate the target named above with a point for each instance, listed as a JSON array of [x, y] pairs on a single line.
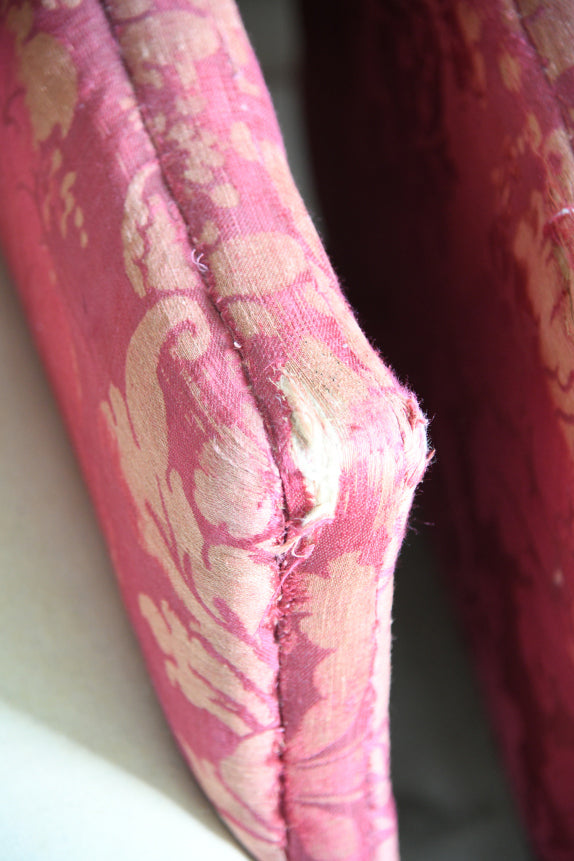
[[442, 133], [251, 459]]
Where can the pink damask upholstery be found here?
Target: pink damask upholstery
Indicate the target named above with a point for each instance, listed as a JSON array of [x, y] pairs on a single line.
[[453, 124], [251, 459]]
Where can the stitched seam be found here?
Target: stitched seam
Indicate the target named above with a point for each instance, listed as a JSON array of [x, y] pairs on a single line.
[[281, 559]]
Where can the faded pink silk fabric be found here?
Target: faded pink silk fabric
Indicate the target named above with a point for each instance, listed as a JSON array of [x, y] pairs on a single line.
[[251, 459]]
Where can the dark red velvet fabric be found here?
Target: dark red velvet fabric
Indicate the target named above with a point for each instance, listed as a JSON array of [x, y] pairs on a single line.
[[440, 135]]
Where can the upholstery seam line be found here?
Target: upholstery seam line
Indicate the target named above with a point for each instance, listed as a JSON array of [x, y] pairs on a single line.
[[267, 425]]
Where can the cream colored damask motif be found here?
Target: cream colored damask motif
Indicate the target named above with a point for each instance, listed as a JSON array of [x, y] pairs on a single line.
[[167, 524], [236, 486], [177, 40], [470, 23], [547, 260], [541, 241], [50, 82], [154, 259], [47, 73], [550, 25], [59, 206], [334, 623], [61, 4], [268, 262], [260, 784]]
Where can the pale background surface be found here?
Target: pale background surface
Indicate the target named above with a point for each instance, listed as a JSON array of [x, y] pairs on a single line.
[[89, 769]]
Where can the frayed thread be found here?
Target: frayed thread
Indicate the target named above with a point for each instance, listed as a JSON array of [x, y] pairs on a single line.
[[197, 260]]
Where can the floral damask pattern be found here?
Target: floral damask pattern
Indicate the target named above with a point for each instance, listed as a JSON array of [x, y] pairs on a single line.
[[462, 170], [252, 460]]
